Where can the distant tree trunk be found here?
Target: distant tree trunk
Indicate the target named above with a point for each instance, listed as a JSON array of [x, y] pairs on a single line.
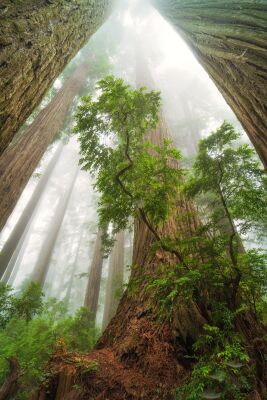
[[94, 279], [27, 214], [37, 39], [229, 40], [115, 279], [42, 264], [73, 270], [19, 161], [15, 260]]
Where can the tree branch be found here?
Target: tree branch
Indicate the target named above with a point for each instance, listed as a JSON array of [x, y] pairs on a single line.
[[140, 209]]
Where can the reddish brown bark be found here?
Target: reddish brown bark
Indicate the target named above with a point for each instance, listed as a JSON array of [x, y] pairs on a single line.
[[19, 161], [115, 279], [37, 39]]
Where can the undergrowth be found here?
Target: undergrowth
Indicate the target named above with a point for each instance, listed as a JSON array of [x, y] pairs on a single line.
[[31, 329]]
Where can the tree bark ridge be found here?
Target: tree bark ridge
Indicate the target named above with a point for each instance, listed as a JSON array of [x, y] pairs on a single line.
[[37, 39], [229, 40]]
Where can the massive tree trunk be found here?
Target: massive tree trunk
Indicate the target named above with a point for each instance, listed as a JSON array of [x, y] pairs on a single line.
[[229, 40], [115, 279], [37, 39], [94, 278], [19, 161], [42, 264], [140, 356], [26, 217]]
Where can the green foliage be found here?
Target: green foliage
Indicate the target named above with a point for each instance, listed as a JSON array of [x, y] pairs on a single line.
[[222, 370], [25, 305], [132, 173], [230, 174], [30, 331], [217, 272]]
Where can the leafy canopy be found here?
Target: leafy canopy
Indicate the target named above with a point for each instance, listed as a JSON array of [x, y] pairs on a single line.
[[133, 175]]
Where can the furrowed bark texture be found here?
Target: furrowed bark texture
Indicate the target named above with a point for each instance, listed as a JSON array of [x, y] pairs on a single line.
[[229, 38], [115, 279], [18, 162], [37, 39], [27, 215], [94, 279]]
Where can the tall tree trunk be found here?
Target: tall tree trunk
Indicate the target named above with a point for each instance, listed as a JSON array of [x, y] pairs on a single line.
[[94, 279], [229, 40], [37, 39], [138, 355], [73, 270], [115, 279], [42, 264], [15, 260], [27, 214], [19, 161]]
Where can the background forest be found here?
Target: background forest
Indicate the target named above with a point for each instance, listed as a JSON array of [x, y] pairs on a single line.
[[133, 216]]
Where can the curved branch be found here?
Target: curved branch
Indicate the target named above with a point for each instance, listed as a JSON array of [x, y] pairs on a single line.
[[140, 209]]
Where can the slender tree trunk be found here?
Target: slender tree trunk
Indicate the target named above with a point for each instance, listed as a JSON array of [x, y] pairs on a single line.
[[26, 217], [74, 269], [229, 40], [115, 280], [15, 260], [37, 39], [94, 279], [42, 264], [19, 161]]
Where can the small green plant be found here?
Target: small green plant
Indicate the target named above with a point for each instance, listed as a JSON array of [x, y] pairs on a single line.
[[222, 370]]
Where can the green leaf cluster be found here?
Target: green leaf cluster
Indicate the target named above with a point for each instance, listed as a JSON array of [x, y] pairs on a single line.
[[131, 172]]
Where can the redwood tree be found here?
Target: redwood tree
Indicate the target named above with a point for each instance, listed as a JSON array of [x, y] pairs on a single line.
[[115, 280], [42, 264], [179, 293], [94, 278], [18, 162], [229, 40], [14, 241], [37, 39]]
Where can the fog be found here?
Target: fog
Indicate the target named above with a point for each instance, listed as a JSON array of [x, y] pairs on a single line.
[[192, 106]]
